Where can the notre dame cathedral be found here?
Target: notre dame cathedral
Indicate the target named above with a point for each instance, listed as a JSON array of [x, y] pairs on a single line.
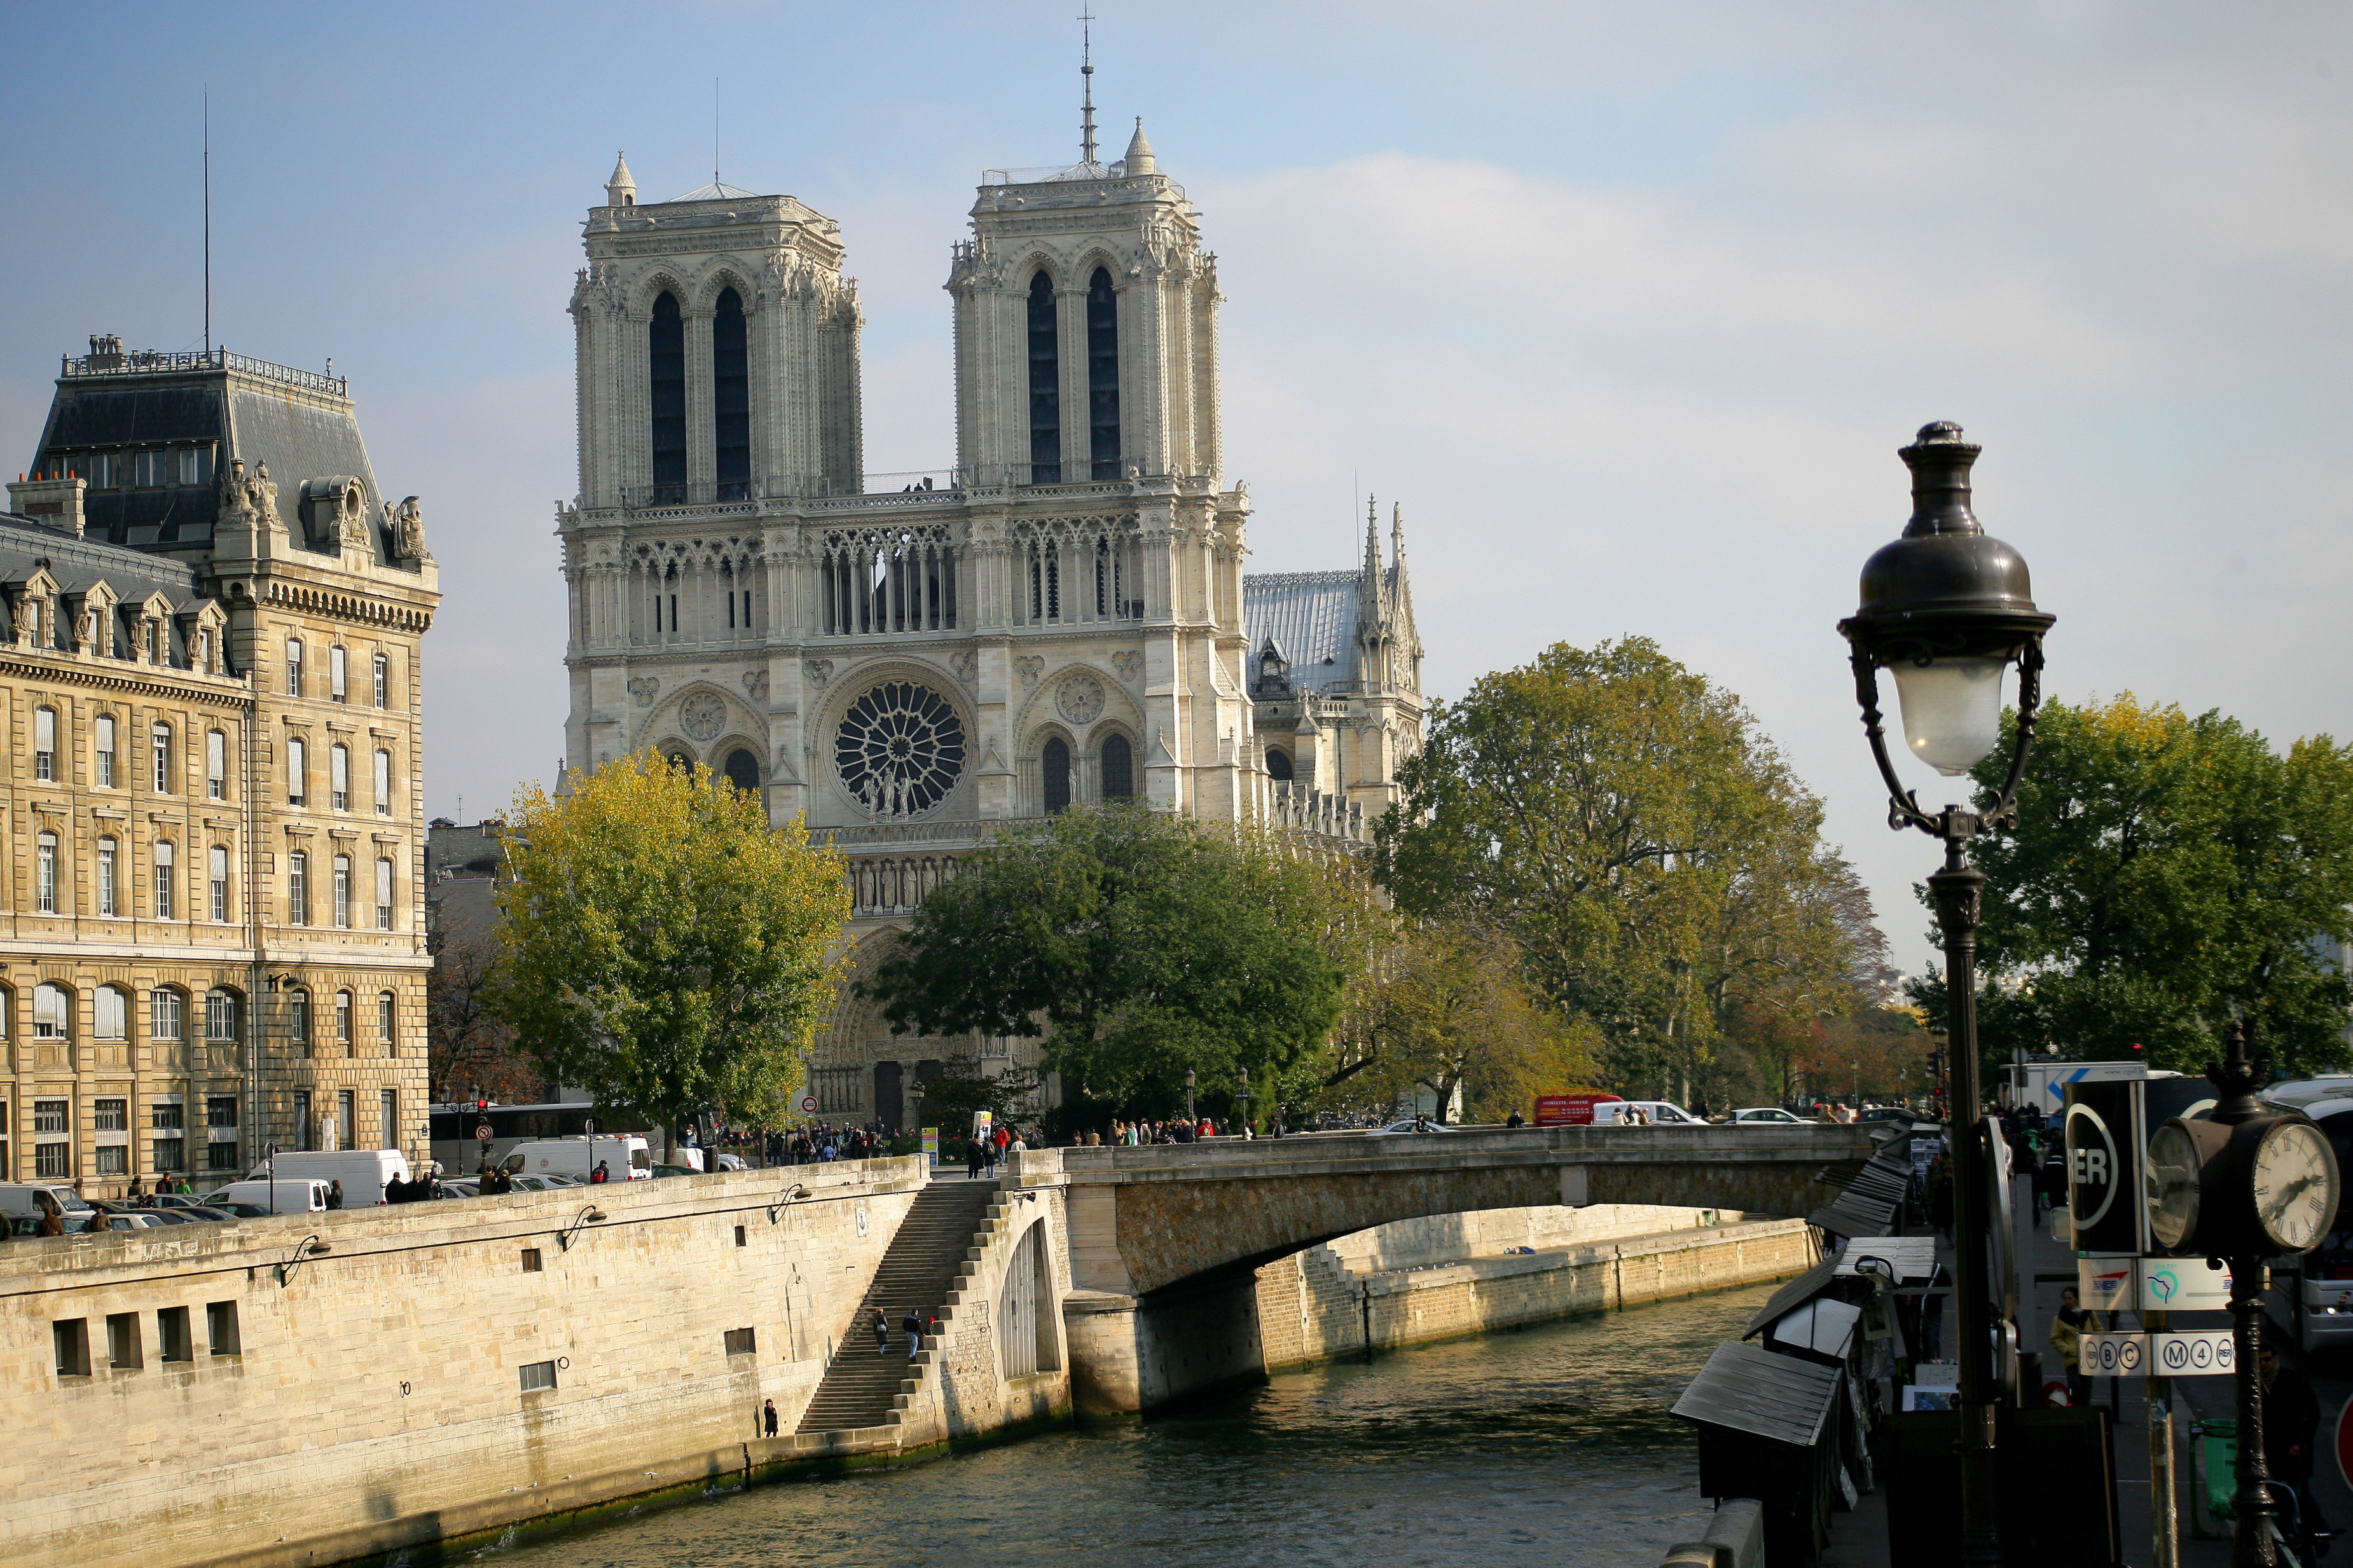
[[913, 662]]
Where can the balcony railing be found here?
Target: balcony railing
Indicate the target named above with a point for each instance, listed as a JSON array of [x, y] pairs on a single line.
[[152, 362]]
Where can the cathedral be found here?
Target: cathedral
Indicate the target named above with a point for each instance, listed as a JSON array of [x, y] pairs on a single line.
[[913, 662]]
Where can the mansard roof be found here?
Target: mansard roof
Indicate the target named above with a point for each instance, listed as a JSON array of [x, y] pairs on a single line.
[[1311, 617], [713, 192], [29, 545]]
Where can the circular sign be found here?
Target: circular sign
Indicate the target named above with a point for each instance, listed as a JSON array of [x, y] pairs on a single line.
[[2175, 1355], [2201, 1353], [2345, 1442], [483, 1133], [2128, 1356], [2091, 1166], [808, 1104]]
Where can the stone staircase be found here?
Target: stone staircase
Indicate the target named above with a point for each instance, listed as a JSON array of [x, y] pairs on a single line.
[[923, 1266]]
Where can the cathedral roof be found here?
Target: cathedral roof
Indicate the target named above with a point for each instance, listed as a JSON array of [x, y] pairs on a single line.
[[713, 192], [1312, 616]]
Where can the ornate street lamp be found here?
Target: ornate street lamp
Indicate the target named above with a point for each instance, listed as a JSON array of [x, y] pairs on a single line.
[[1946, 609], [1241, 1097]]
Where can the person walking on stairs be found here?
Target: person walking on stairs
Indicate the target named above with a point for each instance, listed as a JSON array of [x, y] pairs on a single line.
[[881, 1334], [913, 1324]]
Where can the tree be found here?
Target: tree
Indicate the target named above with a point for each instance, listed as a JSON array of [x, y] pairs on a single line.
[[666, 947], [1623, 821], [1144, 945], [2167, 875], [468, 1051]]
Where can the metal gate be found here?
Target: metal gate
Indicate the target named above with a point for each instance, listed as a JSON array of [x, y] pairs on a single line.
[[1017, 1310]]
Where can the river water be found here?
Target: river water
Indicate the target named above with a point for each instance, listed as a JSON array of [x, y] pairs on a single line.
[[1550, 1443]]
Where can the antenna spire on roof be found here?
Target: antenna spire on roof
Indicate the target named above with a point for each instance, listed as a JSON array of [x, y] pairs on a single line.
[[1087, 84]]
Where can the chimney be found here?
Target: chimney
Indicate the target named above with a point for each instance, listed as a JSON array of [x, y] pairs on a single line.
[[105, 352], [52, 502]]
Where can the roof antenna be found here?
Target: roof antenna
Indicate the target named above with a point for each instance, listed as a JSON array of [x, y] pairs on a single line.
[[714, 131], [1087, 79], [208, 222]]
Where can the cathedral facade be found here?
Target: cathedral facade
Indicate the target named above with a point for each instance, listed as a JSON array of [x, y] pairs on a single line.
[[913, 662]]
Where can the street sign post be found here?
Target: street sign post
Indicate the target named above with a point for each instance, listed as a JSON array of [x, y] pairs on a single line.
[[2201, 1353], [809, 1105]]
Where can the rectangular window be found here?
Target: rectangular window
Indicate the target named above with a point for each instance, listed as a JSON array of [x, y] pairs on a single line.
[[172, 1340], [166, 1016], [45, 857], [531, 1264], [45, 744], [161, 737], [336, 673], [122, 1340], [346, 1120], [102, 771], [171, 1153], [49, 1115], [106, 877], [537, 1376], [298, 888], [110, 1115], [384, 783], [344, 1017], [216, 765], [220, 1328], [111, 1013], [105, 470], [383, 895], [221, 1157], [113, 1159], [339, 778], [740, 1238], [220, 1111], [294, 667], [166, 883], [388, 1112], [167, 1115], [303, 1129], [383, 1017], [739, 1342], [298, 1014], [53, 1161], [296, 766], [220, 883], [71, 1336], [343, 892], [381, 671]]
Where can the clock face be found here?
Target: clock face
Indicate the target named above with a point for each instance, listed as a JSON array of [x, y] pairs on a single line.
[[2173, 1179], [2295, 1186]]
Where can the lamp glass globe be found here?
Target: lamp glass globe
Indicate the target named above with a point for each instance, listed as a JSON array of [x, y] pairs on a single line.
[[1952, 709]]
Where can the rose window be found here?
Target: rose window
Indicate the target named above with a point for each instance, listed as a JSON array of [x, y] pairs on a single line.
[[900, 749]]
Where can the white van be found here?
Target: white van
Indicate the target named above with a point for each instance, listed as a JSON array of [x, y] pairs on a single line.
[[287, 1194], [34, 1199], [625, 1156], [1659, 1114], [362, 1172]]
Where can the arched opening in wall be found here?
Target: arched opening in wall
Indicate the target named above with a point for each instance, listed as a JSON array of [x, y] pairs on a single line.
[[1277, 765], [730, 396], [1055, 763], [1045, 385], [890, 1098], [666, 366], [1103, 376], [743, 770], [1118, 768], [679, 759], [1025, 1329]]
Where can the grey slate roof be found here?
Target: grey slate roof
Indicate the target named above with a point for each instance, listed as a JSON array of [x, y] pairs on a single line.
[[79, 564], [1312, 616]]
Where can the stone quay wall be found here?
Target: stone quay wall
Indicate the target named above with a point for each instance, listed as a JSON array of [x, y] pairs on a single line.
[[1449, 1274], [313, 1389]]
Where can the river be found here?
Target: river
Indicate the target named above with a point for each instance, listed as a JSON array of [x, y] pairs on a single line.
[[1551, 1440]]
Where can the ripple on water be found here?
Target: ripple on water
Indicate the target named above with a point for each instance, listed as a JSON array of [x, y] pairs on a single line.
[[1462, 1455]]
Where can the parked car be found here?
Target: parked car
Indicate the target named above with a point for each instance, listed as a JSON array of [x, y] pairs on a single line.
[[236, 1208], [166, 1216], [287, 1194], [205, 1213], [462, 1187], [672, 1170], [37, 1198], [1658, 1113], [1764, 1116], [362, 1172]]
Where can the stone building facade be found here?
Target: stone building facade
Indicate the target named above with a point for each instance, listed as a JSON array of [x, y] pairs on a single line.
[[913, 661], [211, 932]]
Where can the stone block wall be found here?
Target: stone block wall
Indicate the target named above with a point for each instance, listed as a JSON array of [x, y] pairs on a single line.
[[375, 1398]]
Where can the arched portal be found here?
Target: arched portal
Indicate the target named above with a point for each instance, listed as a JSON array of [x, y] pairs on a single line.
[[743, 770]]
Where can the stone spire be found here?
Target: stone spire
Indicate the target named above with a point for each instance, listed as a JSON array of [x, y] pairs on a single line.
[[1139, 152], [621, 190], [1087, 86]]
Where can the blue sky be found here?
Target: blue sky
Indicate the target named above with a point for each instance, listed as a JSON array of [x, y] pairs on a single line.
[[1629, 306]]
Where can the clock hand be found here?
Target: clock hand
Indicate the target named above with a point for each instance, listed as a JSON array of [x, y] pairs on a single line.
[[2287, 1195]]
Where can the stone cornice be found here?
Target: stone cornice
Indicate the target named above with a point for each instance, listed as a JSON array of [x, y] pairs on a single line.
[[110, 674], [343, 604]]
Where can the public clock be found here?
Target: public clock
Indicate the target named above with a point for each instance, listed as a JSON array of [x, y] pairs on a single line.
[[2174, 1164], [2294, 1180]]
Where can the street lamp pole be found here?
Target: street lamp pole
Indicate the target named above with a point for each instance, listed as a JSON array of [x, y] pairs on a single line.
[[1946, 609], [1241, 1097], [1188, 1097]]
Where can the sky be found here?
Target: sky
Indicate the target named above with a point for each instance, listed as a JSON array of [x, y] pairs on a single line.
[[1630, 307]]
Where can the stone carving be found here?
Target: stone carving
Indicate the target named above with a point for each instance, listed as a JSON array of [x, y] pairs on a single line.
[[966, 665], [407, 527], [701, 715], [899, 750], [643, 689], [1129, 663], [247, 498], [1079, 698], [756, 684], [1029, 666], [820, 670]]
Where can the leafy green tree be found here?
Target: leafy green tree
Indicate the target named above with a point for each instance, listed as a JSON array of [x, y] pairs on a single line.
[[2167, 874], [1140, 945], [666, 948], [1624, 822]]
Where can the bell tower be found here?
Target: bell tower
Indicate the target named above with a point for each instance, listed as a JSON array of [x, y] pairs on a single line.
[[1086, 338]]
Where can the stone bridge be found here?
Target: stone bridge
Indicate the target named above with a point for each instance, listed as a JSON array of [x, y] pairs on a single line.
[[1164, 1241]]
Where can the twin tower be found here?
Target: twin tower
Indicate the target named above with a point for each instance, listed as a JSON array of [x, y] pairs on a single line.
[[1059, 617]]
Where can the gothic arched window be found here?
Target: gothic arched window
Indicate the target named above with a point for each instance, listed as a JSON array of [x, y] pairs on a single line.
[[742, 770], [1057, 763], [1045, 385], [1118, 768], [666, 361], [1277, 765], [1102, 374], [731, 397]]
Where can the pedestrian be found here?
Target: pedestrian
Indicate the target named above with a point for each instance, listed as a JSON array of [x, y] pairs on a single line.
[[768, 1416], [600, 1174], [53, 1223], [881, 1334], [2291, 1412], [2067, 1331], [914, 1325], [1515, 1119], [974, 1157], [335, 1194]]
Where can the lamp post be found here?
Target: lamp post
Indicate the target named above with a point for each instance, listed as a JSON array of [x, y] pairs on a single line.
[[1189, 1096], [1242, 1098], [916, 1095], [1947, 608]]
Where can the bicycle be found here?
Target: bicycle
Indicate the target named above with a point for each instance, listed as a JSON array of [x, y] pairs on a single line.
[[2295, 1546]]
